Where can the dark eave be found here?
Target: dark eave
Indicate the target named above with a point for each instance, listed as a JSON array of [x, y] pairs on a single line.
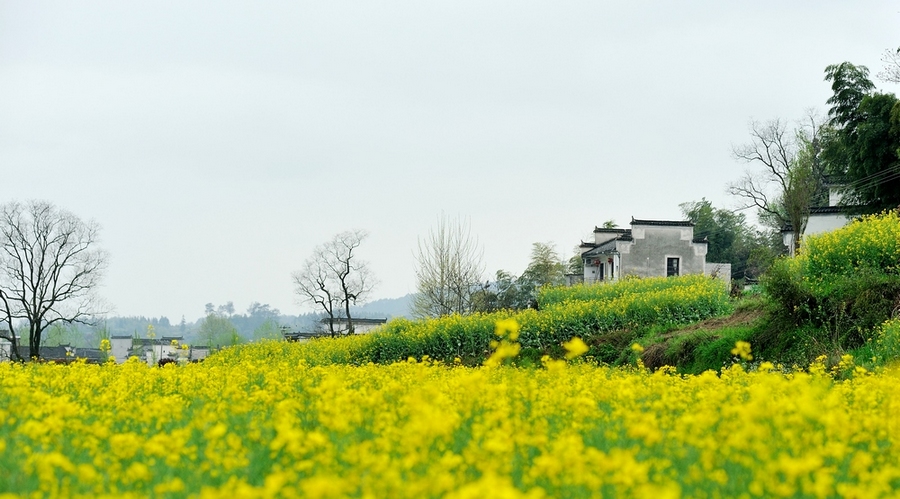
[[830, 210], [357, 321], [662, 223]]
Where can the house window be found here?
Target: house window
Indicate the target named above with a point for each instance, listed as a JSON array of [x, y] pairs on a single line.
[[672, 264]]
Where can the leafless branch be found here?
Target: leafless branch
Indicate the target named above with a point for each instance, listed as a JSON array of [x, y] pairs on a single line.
[[333, 278], [49, 268], [449, 270], [891, 71]]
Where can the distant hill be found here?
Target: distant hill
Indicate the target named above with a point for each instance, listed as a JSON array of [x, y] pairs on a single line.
[[385, 308]]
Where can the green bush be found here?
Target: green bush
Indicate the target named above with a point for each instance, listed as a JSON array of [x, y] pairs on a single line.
[[871, 243], [631, 304], [885, 346], [839, 287], [789, 296]]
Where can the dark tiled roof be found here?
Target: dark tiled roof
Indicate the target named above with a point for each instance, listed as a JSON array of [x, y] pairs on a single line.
[[605, 248], [663, 223], [826, 210], [592, 253], [615, 230], [356, 320]]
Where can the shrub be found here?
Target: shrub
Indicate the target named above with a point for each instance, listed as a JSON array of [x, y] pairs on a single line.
[[885, 346], [840, 286], [784, 285], [870, 243], [571, 312]]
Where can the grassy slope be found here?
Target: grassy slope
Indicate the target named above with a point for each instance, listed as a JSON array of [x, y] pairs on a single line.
[[706, 344]]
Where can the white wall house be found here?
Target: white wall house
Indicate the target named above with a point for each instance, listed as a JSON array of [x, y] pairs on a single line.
[[821, 219], [360, 326], [6, 346], [650, 248], [152, 350]]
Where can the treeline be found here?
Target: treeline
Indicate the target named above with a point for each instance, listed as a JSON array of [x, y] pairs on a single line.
[[221, 326]]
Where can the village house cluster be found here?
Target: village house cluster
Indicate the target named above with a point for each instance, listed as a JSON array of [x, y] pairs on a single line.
[[650, 248]]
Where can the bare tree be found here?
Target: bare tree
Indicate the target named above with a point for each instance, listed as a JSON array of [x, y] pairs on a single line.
[[334, 278], [891, 71], [449, 270], [790, 177], [49, 269]]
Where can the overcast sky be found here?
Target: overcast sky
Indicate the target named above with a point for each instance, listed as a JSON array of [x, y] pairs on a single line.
[[217, 143]]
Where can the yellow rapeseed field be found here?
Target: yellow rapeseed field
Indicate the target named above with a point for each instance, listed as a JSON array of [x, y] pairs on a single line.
[[267, 424]]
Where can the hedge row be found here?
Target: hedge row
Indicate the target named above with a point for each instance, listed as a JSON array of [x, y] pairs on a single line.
[[569, 313]]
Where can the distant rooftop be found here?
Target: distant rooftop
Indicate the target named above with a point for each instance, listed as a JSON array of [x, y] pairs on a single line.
[[662, 223], [357, 321]]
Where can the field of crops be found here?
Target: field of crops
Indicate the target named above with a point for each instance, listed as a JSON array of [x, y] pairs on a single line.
[[263, 422], [565, 313], [433, 408]]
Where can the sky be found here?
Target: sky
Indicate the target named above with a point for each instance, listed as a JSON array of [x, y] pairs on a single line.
[[218, 143]]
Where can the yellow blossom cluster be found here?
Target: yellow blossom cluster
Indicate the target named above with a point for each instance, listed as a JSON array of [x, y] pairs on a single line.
[[579, 311], [263, 422], [871, 242], [742, 350]]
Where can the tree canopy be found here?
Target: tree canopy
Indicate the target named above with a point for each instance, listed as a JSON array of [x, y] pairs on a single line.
[[509, 292], [862, 149], [730, 239]]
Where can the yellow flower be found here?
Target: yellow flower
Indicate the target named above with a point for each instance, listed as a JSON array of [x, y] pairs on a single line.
[[637, 348], [575, 348], [742, 349], [507, 328]]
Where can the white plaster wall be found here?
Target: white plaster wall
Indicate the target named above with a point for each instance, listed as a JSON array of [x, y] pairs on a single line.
[[119, 348], [819, 223]]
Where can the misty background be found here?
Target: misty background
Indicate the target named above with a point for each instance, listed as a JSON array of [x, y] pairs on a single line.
[[217, 143]]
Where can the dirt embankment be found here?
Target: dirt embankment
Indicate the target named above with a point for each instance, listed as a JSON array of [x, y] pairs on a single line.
[[654, 356]]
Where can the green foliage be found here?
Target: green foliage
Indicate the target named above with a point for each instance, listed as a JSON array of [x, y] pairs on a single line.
[[850, 85], [863, 147], [218, 331], [872, 168], [63, 334], [839, 288], [884, 348], [572, 312], [730, 239], [516, 293], [268, 330], [545, 269], [705, 350], [575, 265]]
